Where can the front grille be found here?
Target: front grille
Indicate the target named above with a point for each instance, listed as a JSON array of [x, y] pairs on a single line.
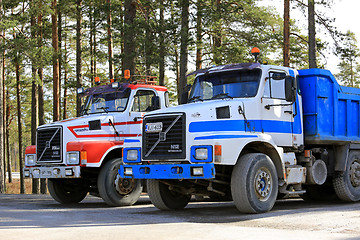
[[49, 145], [167, 143]]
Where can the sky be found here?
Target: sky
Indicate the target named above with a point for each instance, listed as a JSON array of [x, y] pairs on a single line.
[[345, 12]]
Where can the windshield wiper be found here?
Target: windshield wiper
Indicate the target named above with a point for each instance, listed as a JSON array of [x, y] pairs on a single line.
[[196, 98], [222, 95], [111, 124], [104, 108]]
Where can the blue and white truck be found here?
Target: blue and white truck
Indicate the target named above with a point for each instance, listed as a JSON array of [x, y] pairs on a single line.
[[251, 133]]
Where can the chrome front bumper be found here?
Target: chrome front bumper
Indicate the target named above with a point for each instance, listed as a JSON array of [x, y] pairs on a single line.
[[52, 172]]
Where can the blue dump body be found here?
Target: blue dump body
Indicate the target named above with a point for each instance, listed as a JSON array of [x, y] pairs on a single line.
[[331, 112]]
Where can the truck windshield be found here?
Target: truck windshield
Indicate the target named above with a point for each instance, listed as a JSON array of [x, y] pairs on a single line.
[[234, 84], [106, 102]]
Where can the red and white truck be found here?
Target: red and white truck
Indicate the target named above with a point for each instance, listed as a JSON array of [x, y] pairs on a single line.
[[82, 155]]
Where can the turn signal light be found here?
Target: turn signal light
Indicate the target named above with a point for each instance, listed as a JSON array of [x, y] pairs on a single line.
[[217, 153]]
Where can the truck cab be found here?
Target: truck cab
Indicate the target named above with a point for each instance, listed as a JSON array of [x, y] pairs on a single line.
[[83, 154], [251, 133], [233, 112]]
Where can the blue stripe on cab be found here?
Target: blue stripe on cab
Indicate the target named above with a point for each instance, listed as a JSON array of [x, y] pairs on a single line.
[[239, 125], [224, 137], [130, 140]]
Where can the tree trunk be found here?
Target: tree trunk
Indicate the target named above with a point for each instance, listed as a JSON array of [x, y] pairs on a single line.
[[184, 37], [18, 100], [129, 36], [162, 46], [41, 118], [60, 52], [148, 39], [91, 19], [55, 45], [7, 133], [199, 35], [4, 107], [65, 82], [2, 113], [2, 156], [218, 36], [94, 42], [286, 50], [110, 40], [34, 102], [312, 31], [78, 53]]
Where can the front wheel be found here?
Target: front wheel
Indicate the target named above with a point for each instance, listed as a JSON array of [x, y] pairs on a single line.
[[116, 191], [254, 183], [164, 198], [67, 191], [347, 184]]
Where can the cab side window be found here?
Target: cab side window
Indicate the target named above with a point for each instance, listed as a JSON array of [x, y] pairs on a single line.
[[274, 88], [143, 101]]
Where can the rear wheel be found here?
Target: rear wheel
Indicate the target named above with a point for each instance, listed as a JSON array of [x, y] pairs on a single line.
[[116, 191], [347, 184], [254, 183], [164, 198], [67, 191]]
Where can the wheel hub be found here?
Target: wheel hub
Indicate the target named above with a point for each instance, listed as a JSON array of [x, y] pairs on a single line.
[[124, 185], [355, 174], [263, 184]]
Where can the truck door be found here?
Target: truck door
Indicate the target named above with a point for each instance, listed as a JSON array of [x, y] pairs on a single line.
[[142, 103], [277, 113]]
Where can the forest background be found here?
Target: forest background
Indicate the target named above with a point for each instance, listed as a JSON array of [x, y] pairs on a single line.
[[49, 48]]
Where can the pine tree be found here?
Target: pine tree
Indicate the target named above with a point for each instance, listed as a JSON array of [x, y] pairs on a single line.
[[349, 66]]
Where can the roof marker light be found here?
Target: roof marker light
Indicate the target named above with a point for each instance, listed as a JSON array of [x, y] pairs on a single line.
[[126, 73]]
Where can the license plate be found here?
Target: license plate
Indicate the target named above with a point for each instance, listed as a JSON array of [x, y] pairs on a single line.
[[153, 127]]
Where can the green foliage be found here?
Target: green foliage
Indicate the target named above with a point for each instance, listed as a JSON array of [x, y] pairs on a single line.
[[349, 66]]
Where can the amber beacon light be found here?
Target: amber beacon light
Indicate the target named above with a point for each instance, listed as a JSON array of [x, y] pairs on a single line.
[[255, 52]]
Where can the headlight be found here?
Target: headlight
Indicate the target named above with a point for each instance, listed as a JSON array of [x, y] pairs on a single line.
[[132, 155], [201, 153], [30, 160], [72, 158]]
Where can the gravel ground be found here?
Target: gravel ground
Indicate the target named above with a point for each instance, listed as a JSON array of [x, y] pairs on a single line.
[[41, 218]]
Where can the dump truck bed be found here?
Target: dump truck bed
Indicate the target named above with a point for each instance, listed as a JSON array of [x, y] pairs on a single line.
[[331, 113]]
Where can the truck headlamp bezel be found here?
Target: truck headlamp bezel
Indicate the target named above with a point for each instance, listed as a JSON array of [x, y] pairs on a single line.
[[132, 155], [30, 160], [73, 158], [201, 154]]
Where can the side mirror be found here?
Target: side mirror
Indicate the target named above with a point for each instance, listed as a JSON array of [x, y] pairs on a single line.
[[155, 102], [290, 89]]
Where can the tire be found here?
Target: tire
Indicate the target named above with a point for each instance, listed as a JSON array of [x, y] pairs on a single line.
[[67, 191], [254, 183], [116, 191], [347, 184], [165, 199]]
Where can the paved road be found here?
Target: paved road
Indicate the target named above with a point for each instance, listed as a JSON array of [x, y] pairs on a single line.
[[39, 217]]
